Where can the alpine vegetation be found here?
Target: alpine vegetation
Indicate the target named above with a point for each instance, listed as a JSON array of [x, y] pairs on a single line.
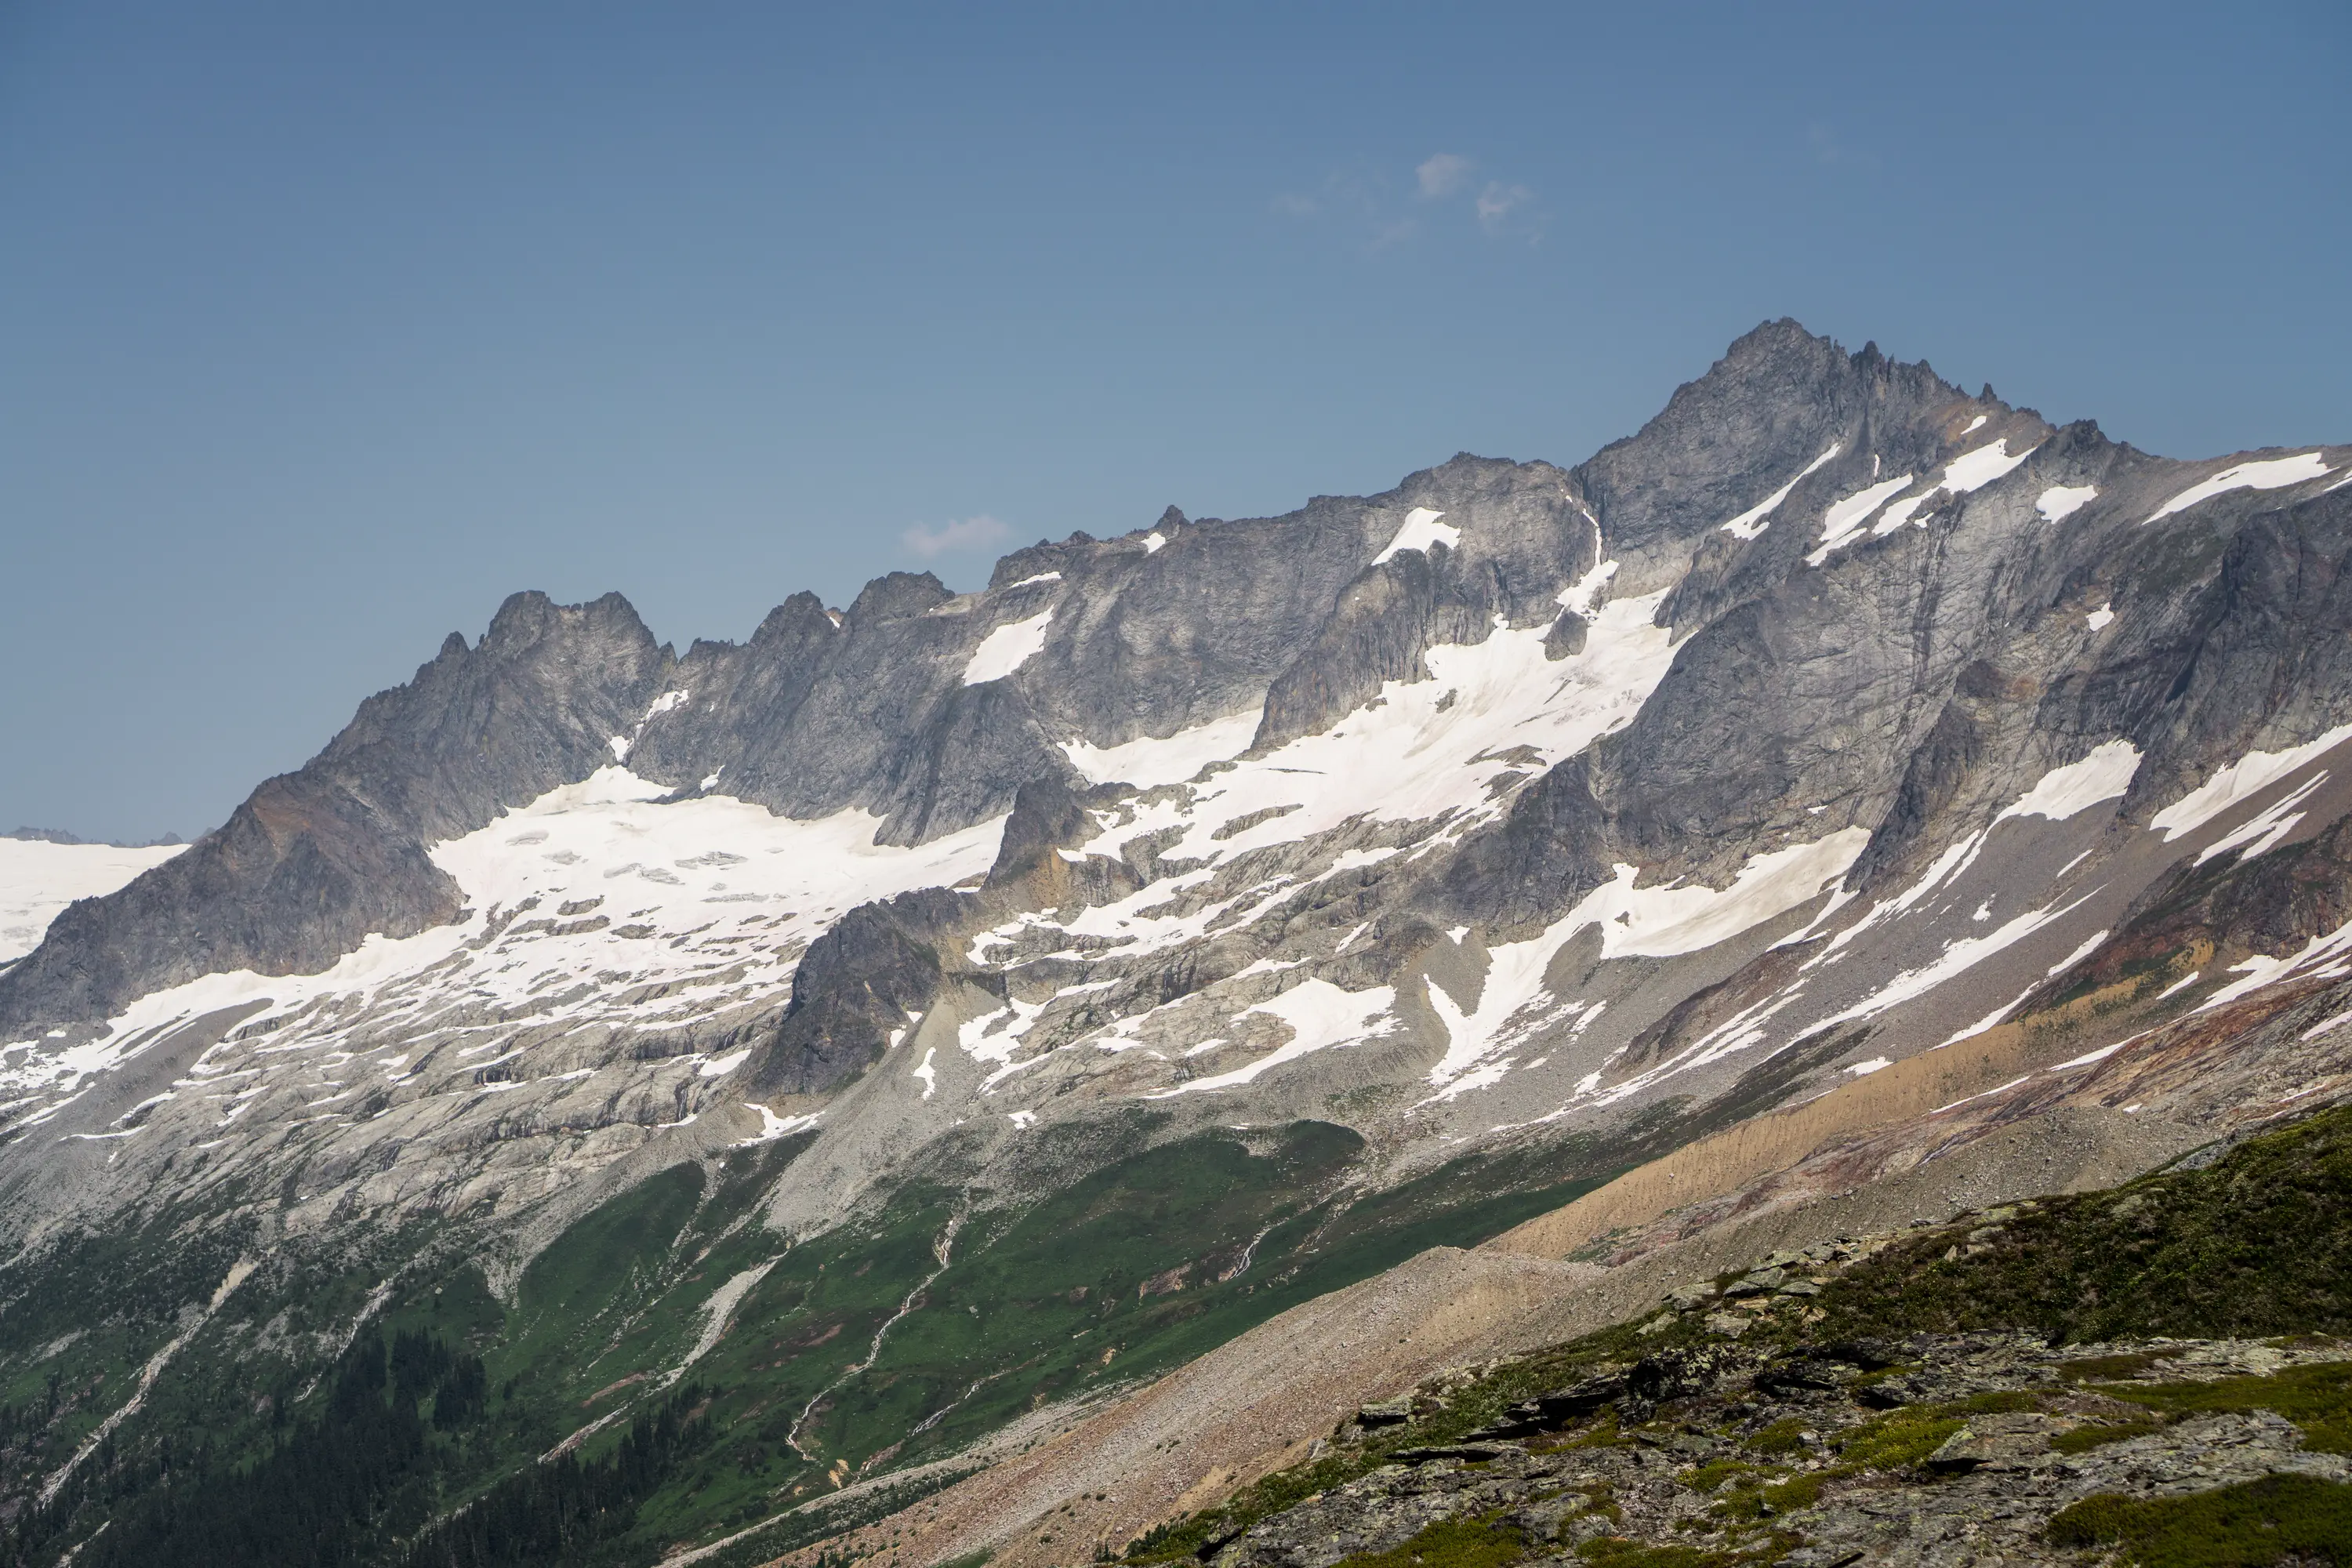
[[1548, 1013]]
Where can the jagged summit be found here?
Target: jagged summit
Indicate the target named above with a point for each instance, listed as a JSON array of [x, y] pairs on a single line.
[[1838, 745]]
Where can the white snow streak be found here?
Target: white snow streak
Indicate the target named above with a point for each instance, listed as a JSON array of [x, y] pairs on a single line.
[[38, 880], [1168, 759], [1006, 649], [2248, 776], [2068, 791], [1421, 530], [1841, 524], [1320, 1016], [1659, 922], [2059, 503], [1974, 470], [1751, 522], [2267, 474]]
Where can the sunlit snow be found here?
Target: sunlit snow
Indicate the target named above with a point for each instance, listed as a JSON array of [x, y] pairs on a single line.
[[2059, 503], [1006, 649], [1974, 470], [1421, 530], [1320, 1016], [1842, 522], [39, 879], [1170, 759], [2066, 791], [2248, 776], [1422, 749], [1751, 522], [2266, 474], [1634, 922], [609, 906]]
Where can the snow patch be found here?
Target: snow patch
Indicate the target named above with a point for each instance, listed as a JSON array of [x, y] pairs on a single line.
[[695, 903], [1006, 649], [2102, 617], [2067, 792], [1421, 530], [1750, 523], [1320, 1016], [2268, 828], [2059, 503], [1420, 750], [2246, 776], [1659, 922], [1955, 960], [2268, 474], [1168, 759], [2075, 957], [1841, 524], [38, 880], [772, 1126], [1974, 470]]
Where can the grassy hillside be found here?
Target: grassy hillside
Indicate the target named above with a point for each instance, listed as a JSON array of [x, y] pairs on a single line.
[[2257, 1243], [668, 1368]]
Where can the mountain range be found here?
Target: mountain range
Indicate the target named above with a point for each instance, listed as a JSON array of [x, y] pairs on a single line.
[[1065, 1045]]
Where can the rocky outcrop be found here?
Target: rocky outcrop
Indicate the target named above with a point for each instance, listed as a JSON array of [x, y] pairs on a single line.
[[319, 859], [1977, 1446], [1839, 745]]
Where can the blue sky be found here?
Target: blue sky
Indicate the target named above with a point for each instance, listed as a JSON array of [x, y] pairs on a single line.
[[322, 328]]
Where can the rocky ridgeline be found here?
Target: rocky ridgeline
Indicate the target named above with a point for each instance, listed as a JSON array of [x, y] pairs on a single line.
[[1756, 1417], [1933, 1450], [1245, 903]]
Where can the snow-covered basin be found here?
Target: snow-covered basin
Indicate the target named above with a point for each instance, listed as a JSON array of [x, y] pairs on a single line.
[[38, 880], [623, 891]]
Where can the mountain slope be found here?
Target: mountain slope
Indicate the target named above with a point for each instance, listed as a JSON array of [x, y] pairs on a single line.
[[1192, 924]]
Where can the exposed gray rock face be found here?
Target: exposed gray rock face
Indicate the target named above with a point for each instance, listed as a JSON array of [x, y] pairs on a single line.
[[319, 858], [1966, 1455], [1533, 534], [1146, 637], [1800, 730]]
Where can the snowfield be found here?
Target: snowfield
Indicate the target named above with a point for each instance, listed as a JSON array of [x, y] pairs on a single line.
[[38, 880]]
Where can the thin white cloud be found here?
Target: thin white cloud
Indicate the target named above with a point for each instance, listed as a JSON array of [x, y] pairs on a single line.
[[1497, 202], [1368, 202], [1442, 174], [954, 536]]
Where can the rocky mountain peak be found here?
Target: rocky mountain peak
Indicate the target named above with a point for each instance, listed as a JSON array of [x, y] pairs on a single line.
[[1838, 746]]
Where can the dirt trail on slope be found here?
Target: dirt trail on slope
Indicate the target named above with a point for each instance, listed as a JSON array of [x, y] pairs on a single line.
[[1259, 1402], [1251, 1406], [1978, 1123]]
